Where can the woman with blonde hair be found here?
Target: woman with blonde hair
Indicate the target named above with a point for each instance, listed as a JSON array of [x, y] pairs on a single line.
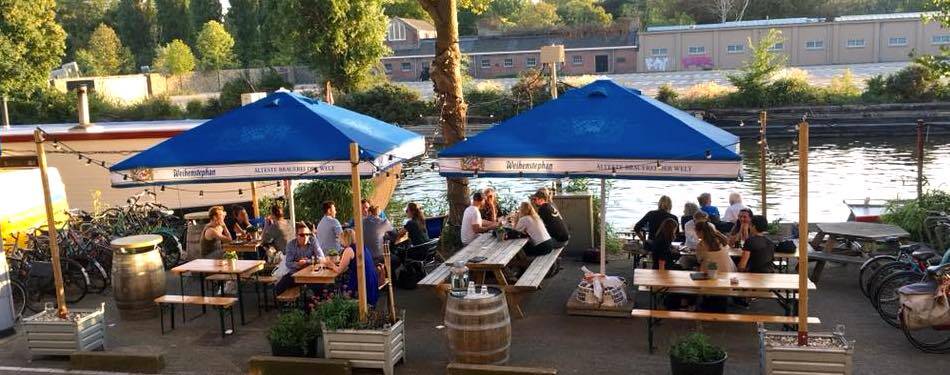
[[214, 233], [539, 241], [712, 249], [348, 264], [489, 210]]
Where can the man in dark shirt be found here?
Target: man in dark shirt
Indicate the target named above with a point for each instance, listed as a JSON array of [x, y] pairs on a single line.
[[652, 220], [757, 252], [552, 219]]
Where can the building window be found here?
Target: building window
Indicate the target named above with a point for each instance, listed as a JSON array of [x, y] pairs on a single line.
[[389, 67], [486, 63], [815, 44], [940, 39], [577, 59], [855, 43], [777, 46], [509, 63], [530, 61], [397, 31], [735, 48], [897, 41], [696, 50], [406, 67], [659, 52]]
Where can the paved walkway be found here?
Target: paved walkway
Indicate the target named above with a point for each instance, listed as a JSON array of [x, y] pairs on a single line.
[[547, 337]]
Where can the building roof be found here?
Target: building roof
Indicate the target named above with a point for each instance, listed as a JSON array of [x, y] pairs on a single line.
[[789, 21], [418, 24], [502, 44]]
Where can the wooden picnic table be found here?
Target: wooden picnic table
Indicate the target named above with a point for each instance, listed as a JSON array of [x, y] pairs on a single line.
[[307, 276], [204, 267], [242, 246], [855, 231]]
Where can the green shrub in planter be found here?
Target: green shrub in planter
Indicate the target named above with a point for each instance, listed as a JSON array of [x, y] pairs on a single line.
[[695, 355], [293, 334]]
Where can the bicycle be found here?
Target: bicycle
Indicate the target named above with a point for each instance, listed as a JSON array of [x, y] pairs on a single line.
[[934, 339], [887, 300], [912, 257]]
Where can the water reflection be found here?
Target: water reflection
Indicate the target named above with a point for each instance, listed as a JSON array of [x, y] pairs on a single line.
[[839, 169]]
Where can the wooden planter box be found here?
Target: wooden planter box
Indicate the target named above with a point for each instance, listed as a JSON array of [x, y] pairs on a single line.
[[368, 348], [63, 337], [804, 359]]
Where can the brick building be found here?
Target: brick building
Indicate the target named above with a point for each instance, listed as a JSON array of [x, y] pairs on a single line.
[[413, 45]]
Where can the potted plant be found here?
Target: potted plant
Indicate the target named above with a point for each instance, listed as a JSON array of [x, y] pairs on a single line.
[[500, 233], [826, 352], [693, 354], [372, 344], [293, 335], [49, 334], [712, 269], [334, 255], [231, 257]]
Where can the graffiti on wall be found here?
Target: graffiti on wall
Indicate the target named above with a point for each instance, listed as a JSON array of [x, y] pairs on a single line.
[[655, 64], [697, 61]]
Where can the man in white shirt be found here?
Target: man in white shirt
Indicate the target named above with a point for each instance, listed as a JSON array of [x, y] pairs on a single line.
[[472, 223], [735, 205]]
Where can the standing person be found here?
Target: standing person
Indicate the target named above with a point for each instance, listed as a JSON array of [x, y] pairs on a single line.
[[365, 204], [650, 222], [758, 251], [299, 253], [348, 264], [415, 226], [735, 205], [705, 204], [489, 210], [329, 228], [552, 219], [539, 241], [662, 242], [472, 223], [214, 234], [712, 249], [279, 231], [742, 229], [239, 223], [375, 229]]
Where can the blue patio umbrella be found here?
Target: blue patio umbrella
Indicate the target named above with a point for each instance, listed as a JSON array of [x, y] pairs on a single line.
[[284, 136], [602, 130]]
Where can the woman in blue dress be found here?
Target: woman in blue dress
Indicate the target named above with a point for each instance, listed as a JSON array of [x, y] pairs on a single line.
[[348, 258]]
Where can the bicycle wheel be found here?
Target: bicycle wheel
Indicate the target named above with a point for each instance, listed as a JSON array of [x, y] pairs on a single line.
[[882, 273], [75, 281], [868, 269], [98, 277], [19, 298], [928, 340], [887, 301], [170, 248]]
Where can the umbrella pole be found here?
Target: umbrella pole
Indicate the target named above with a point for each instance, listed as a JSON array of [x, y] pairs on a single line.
[[603, 226], [803, 233], [358, 226], [289, 197], [255, 208], [62, 311]]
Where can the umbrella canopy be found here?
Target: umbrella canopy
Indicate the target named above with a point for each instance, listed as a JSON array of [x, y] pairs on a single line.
[[282, 136], [599, 130]]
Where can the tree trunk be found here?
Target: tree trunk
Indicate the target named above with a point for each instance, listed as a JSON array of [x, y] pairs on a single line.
[[445, 72]]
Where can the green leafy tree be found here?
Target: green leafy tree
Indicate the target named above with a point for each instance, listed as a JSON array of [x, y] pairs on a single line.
[[243, 21], [202, 11], [537, 16], [104, 54], [79, 19], [753, 77], [134, 21], [342, 40], [31, 44], [174, 58], [214, 46], [404, 9], [938, 64], [277, 51], [173, 20], [581, 12]]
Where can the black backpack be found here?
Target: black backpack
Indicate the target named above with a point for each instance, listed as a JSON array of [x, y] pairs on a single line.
[[409, 274]]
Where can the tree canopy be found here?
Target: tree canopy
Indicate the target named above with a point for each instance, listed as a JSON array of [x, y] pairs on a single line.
[[243, 22], [79, 18], [174, 58], [214, 46], [134, 21], [31, 44], [202, 11], [174, 21], [104, 54]]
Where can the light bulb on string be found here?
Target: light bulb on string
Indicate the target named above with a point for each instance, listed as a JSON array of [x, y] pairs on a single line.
[[278, 183], [80, 157], [613, 172], [201, 193], [88, 162], [163, 188], [240, 191], [125, 177], [741, 123], [658, 165], [56, 145], [708, 154]]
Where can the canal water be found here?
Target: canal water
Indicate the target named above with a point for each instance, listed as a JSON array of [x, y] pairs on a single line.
[[839, 169]]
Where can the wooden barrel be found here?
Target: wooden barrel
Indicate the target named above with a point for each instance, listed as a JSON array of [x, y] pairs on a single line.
[[196, 225], [138, 276], [478, 329]]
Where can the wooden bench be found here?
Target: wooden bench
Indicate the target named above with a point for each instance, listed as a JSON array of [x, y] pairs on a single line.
[[540, 266], [469, 369], [653, 315], [124, 361], [289, 297], [763, 294], [267, 365], [822, 257], [222, 304], [436, 277]]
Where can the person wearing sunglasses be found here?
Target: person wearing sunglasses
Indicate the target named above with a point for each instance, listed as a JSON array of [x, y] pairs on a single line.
[[300, 252]]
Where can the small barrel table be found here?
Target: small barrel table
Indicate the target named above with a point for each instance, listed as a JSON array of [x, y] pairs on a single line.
[[138, 275], [478, 328]]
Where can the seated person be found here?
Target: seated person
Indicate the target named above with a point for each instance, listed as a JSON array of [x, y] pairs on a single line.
[[489, 210], [375, 229], [348, 264], [299, 253], [472, 223], [705, 204], [365, 204], [415, 226], [553, 222], [661, 243], [712, 249], [758, 251], [691, 239], [652, 220], [743, 228], [277, 232], [239, 223], [689, 209], [214, 234], [539, 241], [735, 205]]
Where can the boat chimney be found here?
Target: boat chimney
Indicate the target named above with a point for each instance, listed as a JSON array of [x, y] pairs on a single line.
[[82, 107]]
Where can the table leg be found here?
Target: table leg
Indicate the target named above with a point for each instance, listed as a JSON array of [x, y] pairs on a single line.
[[201, 279], [240, 297], [650, 321], [181, 285], [513, 303], [815, 242]]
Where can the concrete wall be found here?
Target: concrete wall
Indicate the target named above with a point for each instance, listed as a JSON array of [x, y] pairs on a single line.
[[833, 38], [127, 89]]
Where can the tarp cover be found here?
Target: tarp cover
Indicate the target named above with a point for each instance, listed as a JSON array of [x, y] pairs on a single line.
[[599, 130], [282, 136]]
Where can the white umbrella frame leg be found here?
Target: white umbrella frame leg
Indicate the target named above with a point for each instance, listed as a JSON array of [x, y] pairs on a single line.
[[603, 226]]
